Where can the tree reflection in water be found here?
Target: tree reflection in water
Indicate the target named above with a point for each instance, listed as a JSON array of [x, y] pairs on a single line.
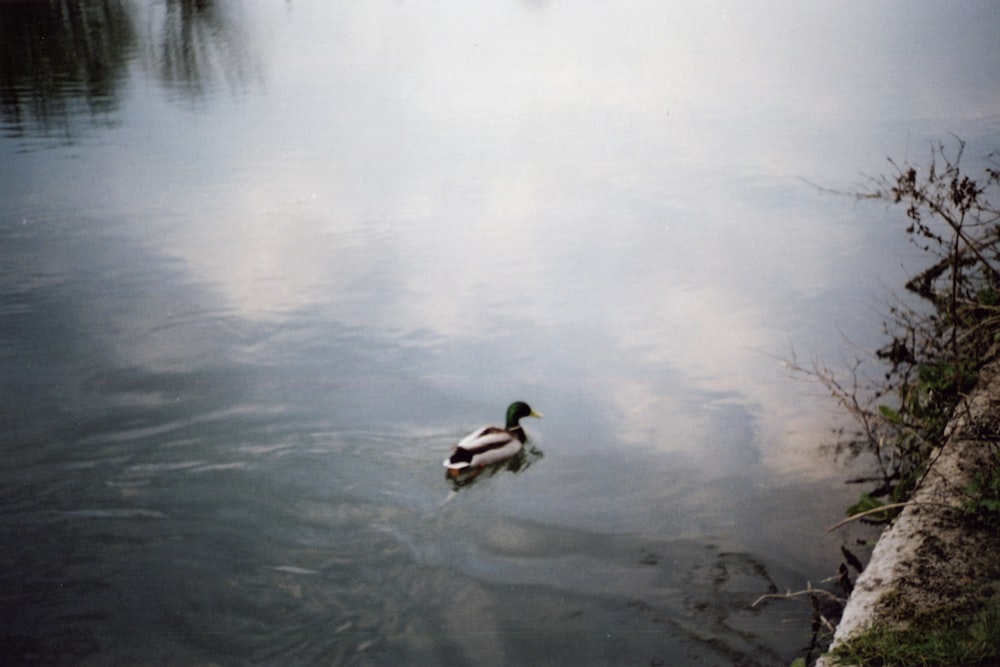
[[194, 44], [64, 64], [61, 61]]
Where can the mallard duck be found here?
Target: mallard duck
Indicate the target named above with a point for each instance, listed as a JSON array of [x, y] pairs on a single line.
[[491, 444]]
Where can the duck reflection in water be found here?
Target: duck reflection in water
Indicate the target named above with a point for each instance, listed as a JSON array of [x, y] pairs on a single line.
[[490, 446]]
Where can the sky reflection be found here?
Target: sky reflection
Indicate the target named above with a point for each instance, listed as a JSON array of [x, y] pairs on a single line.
[[619, 182], [262, 264]]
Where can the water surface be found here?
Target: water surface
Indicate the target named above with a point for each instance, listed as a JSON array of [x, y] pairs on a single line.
[[262, 264]]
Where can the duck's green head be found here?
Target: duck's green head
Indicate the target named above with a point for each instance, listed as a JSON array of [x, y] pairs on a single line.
[[518, 411]]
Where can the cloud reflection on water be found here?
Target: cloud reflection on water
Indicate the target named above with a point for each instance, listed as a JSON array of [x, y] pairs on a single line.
[[265, 316], [614, 181]]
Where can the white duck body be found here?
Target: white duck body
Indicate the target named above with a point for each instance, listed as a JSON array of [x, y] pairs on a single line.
[[486, 446]]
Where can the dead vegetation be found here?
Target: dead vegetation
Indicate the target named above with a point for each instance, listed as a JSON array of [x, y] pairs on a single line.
[[940, 334]]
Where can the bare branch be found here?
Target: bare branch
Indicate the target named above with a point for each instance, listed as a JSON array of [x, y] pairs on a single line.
[[792, 595]]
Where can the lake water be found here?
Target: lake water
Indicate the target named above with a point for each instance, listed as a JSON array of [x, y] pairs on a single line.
[[262, 264]]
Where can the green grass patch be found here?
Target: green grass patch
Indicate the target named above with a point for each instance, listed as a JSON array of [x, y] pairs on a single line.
[[937, 638]]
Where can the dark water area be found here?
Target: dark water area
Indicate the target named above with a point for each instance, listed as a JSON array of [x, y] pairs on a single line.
[[262, 265]]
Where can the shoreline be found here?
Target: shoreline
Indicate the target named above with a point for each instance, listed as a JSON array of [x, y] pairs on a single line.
[[930, 561]]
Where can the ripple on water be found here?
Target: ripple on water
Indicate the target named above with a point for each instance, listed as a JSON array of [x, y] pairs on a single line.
[[115, 513]]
